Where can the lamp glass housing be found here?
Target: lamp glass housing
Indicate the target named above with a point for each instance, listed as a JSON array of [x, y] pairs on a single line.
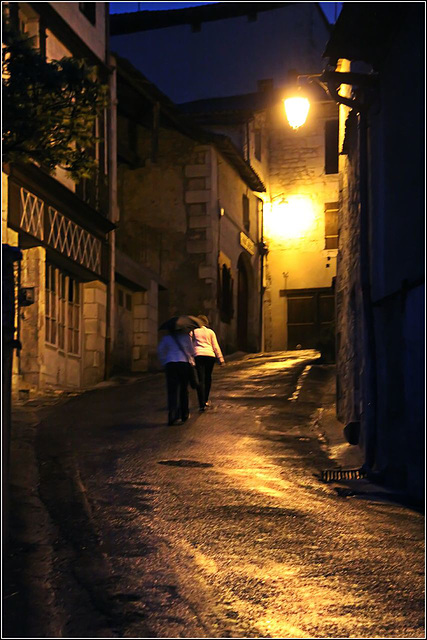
[[296, 109]]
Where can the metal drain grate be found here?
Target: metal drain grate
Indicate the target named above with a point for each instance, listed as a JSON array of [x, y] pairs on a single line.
[[329, 475]]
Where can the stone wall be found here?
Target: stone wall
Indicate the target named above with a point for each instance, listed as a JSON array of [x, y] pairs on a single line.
[[94, 332], [170, 223], [231, 191], [145, 327], [163, 224], [347, 288], [380, 328], [298, 188], [31, 363]]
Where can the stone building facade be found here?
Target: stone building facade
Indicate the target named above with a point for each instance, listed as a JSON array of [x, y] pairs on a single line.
[[188, 220], [300, 230], [299, 207], [380, 274], [63, 229], [215, 82]]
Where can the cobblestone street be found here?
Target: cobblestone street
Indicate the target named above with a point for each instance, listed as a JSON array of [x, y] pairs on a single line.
[[220, 527]]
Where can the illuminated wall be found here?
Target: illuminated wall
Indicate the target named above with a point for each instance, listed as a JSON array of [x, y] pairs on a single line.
[[294, 216]]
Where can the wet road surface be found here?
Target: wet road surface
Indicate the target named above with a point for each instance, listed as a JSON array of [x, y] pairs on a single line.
[[221, 527]]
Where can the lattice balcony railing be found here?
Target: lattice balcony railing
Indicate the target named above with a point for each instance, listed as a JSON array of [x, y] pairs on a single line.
[[32, 214], [74, 241], [63, 234]]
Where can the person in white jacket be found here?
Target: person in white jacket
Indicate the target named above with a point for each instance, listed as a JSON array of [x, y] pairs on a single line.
[[207, 351]]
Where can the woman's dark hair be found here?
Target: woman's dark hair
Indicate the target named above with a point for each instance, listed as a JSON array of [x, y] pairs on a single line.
[[205, 320]]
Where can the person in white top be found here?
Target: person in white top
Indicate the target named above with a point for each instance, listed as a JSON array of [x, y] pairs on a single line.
[[175, 351], [207, 351]]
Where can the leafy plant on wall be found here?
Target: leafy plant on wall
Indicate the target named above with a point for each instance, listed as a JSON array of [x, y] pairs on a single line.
[[49, 108]]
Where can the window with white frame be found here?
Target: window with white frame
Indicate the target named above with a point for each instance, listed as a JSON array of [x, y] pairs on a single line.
[[62, 316]]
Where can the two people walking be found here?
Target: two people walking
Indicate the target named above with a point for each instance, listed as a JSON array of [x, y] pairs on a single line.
[[180, 350]]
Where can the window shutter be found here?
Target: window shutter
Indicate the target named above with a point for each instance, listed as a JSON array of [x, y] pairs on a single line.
[[331, 225], [331, 146]]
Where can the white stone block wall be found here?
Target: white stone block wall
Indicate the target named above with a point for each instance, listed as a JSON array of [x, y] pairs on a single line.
[[30, 373], [94, 326]]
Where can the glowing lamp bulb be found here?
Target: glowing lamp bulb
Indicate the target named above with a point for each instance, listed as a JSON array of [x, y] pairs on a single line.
[[296, 110]]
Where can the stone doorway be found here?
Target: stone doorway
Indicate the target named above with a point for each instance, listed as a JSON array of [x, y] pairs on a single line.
[[242, 304]]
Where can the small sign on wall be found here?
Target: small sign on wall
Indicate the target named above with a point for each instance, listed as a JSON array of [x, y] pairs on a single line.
[[247, 243]]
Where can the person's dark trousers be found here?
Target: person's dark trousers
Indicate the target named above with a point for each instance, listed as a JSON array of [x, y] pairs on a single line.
[[204, 365], [177, 386]]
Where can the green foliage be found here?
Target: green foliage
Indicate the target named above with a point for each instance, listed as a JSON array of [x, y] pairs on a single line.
[[49, 108]]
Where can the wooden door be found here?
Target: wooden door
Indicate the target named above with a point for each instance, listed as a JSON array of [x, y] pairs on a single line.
[[310, 317]]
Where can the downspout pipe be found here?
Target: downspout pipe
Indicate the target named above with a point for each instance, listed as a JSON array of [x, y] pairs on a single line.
[[111, 150], [359, 105], [261, 284]]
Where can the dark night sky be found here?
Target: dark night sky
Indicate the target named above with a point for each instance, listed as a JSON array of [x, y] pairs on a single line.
[[330, 8]]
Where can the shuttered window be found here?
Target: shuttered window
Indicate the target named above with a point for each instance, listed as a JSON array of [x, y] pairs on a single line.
[[245, 207], [331, 225], [331, 146]]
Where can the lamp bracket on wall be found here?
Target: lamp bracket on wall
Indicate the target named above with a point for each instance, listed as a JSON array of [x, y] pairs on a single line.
[[331, 80], [363, 84]]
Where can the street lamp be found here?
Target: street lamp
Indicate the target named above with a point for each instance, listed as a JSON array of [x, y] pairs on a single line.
[[296, 109], [297, 105]]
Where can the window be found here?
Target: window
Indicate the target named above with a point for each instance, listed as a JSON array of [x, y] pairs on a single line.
[[260, 216], [331, 146], [245, 208], [124, 299], [257, 144], [331, 225], [73, 316], [62, 315], [62, 304], [88, 9], [51, 307]]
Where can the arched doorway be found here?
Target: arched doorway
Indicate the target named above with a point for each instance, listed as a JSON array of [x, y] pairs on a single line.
[[242, 304]]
